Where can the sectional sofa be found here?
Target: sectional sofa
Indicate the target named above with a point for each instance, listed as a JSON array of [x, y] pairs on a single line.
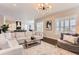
[[69, 42], [11, 43], [9, 46]]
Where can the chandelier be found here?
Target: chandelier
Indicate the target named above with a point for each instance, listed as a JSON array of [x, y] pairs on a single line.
[[43, 6]]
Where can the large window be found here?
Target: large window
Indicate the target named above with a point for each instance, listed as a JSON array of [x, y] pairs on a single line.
[[66, 24], [57, 25], [73, 24], [40, 26]]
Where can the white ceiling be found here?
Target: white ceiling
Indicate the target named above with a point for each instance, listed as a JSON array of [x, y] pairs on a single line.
[[28, 11]]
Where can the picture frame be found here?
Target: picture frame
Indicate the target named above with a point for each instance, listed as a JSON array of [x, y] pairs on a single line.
[[49, 25]]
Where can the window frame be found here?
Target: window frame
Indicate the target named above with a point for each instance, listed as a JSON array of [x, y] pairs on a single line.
[[69, 26]]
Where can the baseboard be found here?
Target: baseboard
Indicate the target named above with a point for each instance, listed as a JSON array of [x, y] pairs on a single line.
[[50, 40]]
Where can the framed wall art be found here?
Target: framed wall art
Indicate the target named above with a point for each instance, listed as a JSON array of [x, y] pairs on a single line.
[[49, 25]]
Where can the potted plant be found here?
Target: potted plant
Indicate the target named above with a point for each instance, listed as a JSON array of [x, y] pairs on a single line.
[[5, 28]]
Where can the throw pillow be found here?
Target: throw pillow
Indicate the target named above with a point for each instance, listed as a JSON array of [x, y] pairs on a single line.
[[70, 39]]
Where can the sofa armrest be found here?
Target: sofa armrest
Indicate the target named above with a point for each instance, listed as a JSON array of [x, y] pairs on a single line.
[[12, 51]]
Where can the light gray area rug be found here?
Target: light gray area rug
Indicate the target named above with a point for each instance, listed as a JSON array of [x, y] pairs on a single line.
[[46, 49]]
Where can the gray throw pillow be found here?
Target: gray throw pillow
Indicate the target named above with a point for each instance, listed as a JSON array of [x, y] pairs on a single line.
[[77, 41]]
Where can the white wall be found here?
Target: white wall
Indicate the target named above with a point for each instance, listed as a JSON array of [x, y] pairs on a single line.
[[52, 34]]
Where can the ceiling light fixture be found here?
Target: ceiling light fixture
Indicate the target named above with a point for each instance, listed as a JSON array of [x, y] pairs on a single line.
[[44, 6]]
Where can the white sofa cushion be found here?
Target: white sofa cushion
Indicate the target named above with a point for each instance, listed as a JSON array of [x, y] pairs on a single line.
[[2, 36], [3, 42], [37, 37], [18, 50], [13, 35], [20, 34], [70, 38], [20, 37], [8, 35], [28, 36]]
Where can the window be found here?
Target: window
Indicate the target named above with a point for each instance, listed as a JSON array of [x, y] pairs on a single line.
[[58, 25], [62, 25], [40, 27], [73, 24], [66, 24], [26, 27]]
